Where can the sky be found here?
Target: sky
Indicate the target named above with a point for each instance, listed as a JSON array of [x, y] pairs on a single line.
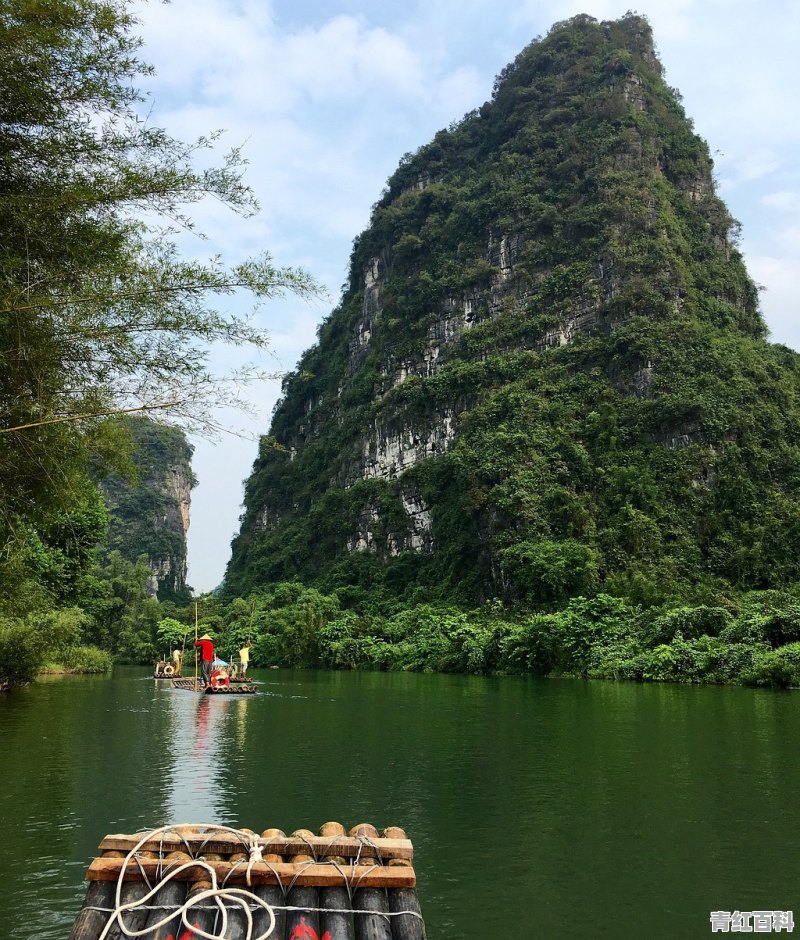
[[326, 97]]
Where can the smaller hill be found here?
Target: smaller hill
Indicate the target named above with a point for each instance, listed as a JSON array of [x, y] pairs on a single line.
[[149, 510]]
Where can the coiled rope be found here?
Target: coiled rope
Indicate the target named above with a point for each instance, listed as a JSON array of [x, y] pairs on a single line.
[[221, 895]]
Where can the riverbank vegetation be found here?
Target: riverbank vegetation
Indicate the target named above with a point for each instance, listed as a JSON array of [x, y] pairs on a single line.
[[108, 615], [752, 639]]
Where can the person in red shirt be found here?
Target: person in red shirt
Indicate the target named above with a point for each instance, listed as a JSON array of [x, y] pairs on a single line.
[[206, 645]]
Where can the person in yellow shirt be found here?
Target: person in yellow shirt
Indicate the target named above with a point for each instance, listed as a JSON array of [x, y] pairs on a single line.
[[244, 659]]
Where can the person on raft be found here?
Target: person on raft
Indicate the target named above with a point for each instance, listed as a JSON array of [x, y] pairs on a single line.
[[206, 645], [244, 659]]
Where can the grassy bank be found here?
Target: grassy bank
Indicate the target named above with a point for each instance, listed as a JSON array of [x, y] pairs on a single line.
[[80, 660]]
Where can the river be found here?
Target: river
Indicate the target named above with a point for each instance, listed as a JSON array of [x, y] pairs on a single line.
[[538, 808]]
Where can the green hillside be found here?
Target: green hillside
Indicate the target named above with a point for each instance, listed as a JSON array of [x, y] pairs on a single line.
[[548, 376], [149, 507]]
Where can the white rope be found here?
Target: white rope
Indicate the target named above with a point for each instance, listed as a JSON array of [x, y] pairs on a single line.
[[255, 855], [222, 896]]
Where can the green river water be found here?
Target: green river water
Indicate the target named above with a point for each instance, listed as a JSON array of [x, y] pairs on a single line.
[[538, 808]]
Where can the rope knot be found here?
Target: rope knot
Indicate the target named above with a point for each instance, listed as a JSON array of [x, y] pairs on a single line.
[[255, 856]]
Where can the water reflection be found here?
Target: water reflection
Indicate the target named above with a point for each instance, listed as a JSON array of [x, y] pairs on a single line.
[[199, 755]]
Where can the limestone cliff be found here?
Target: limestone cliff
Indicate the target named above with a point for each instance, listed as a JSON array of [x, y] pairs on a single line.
[[547, 372], [150, 510]]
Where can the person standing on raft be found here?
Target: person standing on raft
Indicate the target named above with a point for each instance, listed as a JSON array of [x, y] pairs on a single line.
[[206, 645], [244, 659]]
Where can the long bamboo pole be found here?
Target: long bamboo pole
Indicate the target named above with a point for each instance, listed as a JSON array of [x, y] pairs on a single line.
[[61, 419], [195, 649]]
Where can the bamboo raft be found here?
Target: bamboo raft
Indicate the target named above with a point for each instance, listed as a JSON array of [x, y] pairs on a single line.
[[188, 684], [177, 880], [167, 669]]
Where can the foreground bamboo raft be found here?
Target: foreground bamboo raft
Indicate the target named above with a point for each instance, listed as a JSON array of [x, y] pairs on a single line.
[[186, 882]]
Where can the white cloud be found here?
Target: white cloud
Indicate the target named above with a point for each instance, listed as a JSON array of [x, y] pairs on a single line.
[[193, 43], [785, 201], [459, 92], [772, 263], [747, 167], [778, 275], [347, 59]]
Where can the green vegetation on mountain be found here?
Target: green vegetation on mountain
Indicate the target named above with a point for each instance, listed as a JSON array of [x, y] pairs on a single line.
[[149, 508], [547, 378], [621, 424]]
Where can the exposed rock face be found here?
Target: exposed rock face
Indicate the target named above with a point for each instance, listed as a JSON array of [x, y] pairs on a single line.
[[388, 451], [553, 247], [372, 535], [150, 513]]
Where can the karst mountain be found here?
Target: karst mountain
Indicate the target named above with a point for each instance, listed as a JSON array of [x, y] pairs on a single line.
[[548, 374]]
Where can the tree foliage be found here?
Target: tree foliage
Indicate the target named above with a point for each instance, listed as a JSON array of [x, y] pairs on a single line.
[[99, 313]]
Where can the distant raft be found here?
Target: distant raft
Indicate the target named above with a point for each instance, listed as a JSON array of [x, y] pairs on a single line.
[[188, 684], [169, 668], [165, 670], [233, 884]]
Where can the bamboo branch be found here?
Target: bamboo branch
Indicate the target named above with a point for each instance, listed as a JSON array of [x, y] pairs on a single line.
[[91, 414]]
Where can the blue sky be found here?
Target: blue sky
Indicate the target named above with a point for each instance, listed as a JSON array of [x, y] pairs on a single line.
[[327, 97]]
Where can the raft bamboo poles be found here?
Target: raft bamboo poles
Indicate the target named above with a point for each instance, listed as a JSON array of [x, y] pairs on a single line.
[[234, 688], [195, 646], [356, 885]]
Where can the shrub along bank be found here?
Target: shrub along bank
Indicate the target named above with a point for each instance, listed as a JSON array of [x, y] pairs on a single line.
[[106, 615], [753, 639]]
